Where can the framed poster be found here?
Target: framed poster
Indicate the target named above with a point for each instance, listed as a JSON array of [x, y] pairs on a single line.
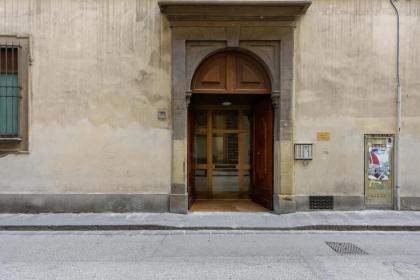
[[379, 151]]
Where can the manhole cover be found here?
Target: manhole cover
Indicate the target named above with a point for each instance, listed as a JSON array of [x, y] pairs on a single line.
[[346, 248]]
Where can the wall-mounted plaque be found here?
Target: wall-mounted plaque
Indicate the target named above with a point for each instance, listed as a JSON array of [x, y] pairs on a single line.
[[323, 136]]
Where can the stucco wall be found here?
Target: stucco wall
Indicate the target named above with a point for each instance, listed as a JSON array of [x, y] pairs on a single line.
[[345, 64], [100, 74]]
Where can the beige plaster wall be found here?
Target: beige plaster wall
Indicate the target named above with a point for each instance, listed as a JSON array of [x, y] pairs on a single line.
[[100, 74], [345, 63]]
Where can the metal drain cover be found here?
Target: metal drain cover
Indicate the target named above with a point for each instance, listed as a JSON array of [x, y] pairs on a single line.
[[345, 248]]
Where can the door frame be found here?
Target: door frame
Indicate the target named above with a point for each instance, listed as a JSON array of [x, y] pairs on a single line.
[[271, 43], [259, 191], [209, 132]]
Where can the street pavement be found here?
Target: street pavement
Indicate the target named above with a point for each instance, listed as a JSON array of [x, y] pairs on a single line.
[[208, 254], [319, 220]]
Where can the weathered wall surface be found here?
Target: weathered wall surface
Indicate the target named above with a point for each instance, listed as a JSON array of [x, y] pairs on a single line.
[[345, 82], [101, 72]]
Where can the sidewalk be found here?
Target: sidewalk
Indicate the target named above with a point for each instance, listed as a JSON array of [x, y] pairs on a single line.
[[318, 220]]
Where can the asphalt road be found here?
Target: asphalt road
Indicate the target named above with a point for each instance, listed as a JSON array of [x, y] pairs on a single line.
[[207, 255]]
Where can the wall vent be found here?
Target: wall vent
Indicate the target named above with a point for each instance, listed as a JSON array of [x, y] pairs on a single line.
[[321, 202]]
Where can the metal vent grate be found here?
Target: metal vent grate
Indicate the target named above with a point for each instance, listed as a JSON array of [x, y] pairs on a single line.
[[345, 248], [321, 202]]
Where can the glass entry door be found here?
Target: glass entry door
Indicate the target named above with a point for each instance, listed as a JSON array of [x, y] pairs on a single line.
[[222, 152]]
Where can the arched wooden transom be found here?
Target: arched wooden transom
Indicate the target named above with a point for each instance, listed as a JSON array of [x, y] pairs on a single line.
[[231, 72]]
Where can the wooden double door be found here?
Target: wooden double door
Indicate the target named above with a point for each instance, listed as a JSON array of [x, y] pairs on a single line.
[[231, 152]]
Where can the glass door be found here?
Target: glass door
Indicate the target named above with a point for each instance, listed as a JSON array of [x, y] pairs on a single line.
[[222, 153]]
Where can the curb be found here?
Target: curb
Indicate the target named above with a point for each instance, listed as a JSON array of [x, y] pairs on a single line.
[[192, 228]]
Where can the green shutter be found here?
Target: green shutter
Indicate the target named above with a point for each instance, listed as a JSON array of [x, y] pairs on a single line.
[[9, 105]]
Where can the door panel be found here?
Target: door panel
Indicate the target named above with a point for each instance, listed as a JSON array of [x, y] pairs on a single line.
[[190, 160], [225, 163], [231, 73], [212, 75], [262, 172]]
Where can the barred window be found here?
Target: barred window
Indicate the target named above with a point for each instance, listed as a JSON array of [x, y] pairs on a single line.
[[9, 91], [14, 66]]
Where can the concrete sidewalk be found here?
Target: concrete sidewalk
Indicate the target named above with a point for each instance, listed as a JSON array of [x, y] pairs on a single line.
[[316, 220]]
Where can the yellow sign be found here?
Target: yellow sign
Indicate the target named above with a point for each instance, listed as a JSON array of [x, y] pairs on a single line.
[[323, 136]]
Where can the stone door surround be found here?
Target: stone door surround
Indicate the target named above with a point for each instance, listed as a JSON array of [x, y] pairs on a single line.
[[261, 29]]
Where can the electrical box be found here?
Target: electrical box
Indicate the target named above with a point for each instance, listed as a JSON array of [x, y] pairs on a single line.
[[303, 151], [162, 115]]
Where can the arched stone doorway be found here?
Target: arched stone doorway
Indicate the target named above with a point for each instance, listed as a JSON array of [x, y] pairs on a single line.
[[230, 134], [265, 30]]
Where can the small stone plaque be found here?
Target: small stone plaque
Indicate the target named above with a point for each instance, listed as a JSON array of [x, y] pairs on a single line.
[[323, 136]]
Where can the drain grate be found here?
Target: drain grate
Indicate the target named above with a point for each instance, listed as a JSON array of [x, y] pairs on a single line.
[[346, 248]]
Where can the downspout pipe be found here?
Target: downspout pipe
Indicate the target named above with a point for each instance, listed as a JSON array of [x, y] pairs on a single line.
[[398, 127]]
